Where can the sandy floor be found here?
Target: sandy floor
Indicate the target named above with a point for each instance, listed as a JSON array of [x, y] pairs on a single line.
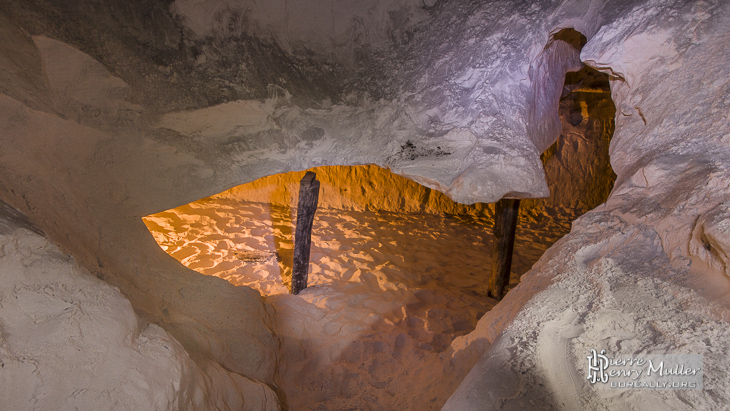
[[387, 292], [252, 244]]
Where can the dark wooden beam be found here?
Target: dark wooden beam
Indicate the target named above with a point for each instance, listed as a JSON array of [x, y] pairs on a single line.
[[505, 224], [308, 198]]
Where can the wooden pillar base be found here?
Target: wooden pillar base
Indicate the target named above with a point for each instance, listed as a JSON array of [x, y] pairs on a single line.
[[308, 198], [505, 224]]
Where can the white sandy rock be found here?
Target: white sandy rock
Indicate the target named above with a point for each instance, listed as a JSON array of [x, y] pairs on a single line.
[[70, 341], [630, 277], [86, 188]]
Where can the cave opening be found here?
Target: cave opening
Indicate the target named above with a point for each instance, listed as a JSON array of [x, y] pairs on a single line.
[[398, 272]]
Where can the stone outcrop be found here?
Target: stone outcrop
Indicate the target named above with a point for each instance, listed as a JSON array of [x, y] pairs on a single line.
[[632, 275], [72, 341]]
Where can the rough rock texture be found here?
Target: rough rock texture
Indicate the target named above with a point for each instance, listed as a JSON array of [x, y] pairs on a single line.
[[444, 115], [577, 169], [71, 341], [110, 111], [633, 276], [74, 168]]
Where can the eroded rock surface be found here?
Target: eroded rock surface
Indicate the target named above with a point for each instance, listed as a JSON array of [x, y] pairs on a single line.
[[635, 275], [71, 341]]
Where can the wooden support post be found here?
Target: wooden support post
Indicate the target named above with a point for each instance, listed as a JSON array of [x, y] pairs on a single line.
[[308, 197], [505, 223]]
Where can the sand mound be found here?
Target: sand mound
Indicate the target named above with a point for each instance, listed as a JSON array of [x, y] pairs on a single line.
[[388, 292]]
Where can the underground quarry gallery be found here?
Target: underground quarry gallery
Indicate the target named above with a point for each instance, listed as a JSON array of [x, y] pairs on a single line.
[[340, 205]]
